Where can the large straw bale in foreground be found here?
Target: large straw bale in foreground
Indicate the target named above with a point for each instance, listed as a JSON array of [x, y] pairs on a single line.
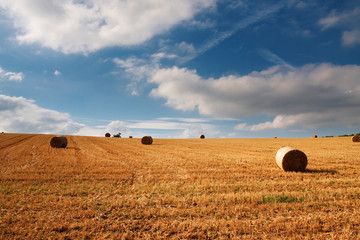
[[356, 138], [147, 140], [58, 142], [291, 159]]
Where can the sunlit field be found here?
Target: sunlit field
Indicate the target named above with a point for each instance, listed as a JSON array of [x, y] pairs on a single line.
[[117, 188]]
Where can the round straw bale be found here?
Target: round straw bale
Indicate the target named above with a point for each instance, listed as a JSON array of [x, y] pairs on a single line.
[[356, 138], [314, 136], [130, 136], [58, 142], [202, 136], [107, 135], [147, 140], [291, 159]]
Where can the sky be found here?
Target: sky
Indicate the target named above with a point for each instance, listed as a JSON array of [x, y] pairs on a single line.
[[178, 69]]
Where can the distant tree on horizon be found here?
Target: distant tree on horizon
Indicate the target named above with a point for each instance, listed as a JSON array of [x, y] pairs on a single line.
[[118, 135], [349, 135]]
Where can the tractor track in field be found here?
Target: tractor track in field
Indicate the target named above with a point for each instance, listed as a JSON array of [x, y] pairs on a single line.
[[16, 140]]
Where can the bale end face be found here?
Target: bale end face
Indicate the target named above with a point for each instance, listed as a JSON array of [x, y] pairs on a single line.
[[356, 138], [291, 159], [107, 135], [58, 142], [147, 140], [314, 136]]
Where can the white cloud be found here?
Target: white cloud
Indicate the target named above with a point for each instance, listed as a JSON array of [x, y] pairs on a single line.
[[160, 55], [22, 115], [187, 120], [183, 52], [351, 38], [273, 58], [57, 73], [314, 95], [343, 18], [137, 69], [348, 20], [313, 120], [117, 126], [86, 26], [113, 127], [331, 20], [98, 131], [18, 114], [11, 76], [272, 91], [195, 130], [185, 47], [158, 124], [179, 127], [310, 96]]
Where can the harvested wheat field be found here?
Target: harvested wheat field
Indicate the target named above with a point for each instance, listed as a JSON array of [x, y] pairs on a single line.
[[118, 188]]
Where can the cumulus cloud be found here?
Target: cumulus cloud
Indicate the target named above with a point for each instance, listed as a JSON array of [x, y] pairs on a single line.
[[311, 96], [57, 73], [314, 95], [73, 26], [18, 114], [22, 115], [11, 76], [274, 90], [313, 120]]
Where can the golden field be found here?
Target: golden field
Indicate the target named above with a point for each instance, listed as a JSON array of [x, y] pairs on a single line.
[[117, 188]]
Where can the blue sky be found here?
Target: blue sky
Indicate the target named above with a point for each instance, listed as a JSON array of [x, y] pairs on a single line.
[[178, 69]]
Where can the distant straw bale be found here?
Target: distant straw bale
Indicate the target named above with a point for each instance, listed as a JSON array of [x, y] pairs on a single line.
[[147, 140], [107, 135], [356, 138], [202, 136], [130, 136], [314, 136], [58, 142], [291, 159]]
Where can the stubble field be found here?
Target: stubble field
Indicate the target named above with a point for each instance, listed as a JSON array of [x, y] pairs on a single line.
[[117, 188]]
